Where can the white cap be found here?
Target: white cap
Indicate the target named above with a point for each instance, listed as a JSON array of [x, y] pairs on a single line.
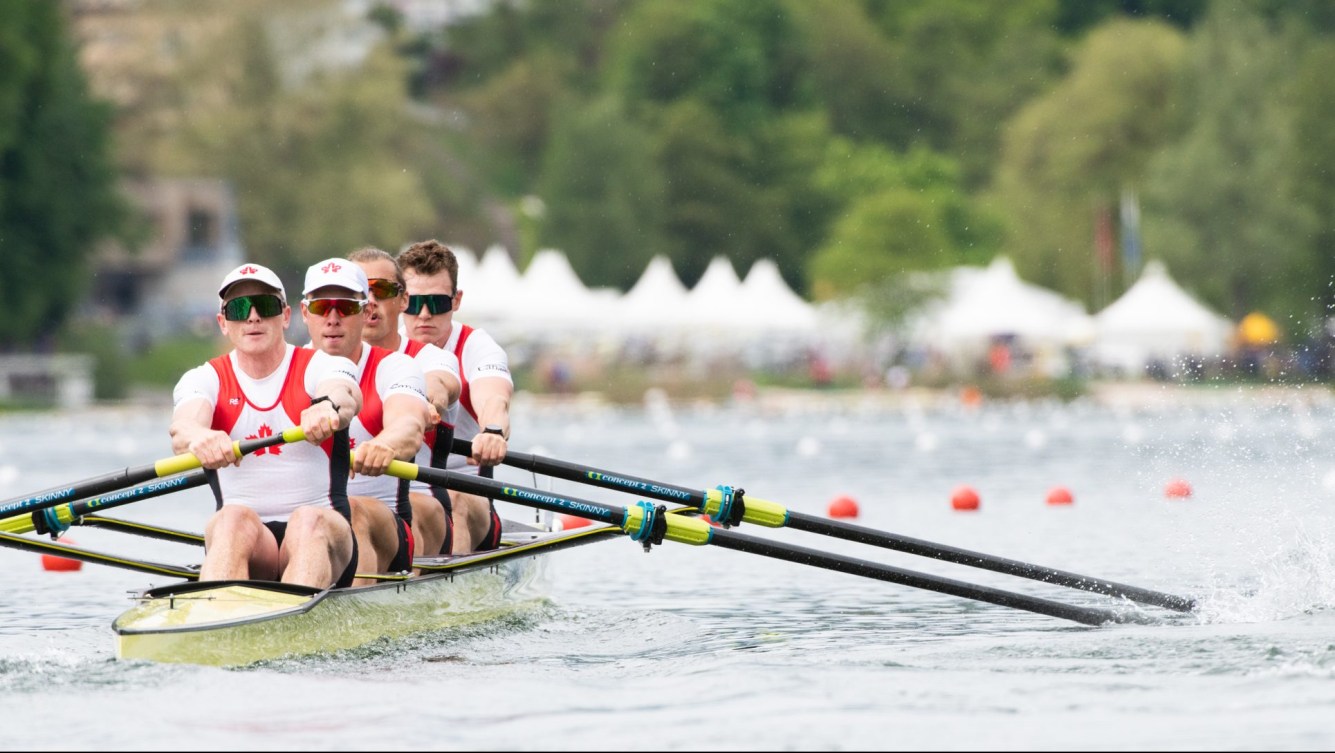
[[340, 272], [252, 272]]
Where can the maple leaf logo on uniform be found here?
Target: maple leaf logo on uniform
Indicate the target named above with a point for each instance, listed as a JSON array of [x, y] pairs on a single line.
[[331, 267], [263, 432]]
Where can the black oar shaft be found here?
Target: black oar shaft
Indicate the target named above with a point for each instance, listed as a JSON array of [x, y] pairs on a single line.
[[697, 532], [594, 477], [862, 535], [42, 546], [132, 475], [853, 566], [773, 515]]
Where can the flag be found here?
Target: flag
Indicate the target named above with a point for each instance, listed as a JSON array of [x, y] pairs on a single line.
[[1130, 234]]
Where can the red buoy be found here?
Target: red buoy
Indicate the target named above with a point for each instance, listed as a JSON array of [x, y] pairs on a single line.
[[964, 498], [1177, 489], [58, 564], [572, 521], [1060, 495], [843, 507]]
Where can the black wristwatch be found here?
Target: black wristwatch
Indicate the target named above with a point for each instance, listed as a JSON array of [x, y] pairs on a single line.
[[493, 429]]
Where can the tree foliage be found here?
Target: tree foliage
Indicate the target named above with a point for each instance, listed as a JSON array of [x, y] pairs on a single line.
[[57, 182]]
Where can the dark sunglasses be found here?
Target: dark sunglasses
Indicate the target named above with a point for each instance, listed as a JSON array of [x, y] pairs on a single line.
[[344, 306], [436, 303], [238, 309], [384, 289]]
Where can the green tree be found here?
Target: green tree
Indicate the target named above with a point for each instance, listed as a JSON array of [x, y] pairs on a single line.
[[57, 182], [604, 195], [1222, 202], [1069, 153], [902, 214], [1314, 100], [318, 170]]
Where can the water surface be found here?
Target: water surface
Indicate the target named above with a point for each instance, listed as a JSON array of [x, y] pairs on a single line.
[[701, 648]]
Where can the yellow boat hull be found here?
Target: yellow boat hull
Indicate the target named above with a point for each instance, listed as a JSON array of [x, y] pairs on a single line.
[[233, 623]]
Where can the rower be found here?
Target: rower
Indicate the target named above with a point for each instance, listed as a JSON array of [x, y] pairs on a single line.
[[392, 418], [277, 516], [432, 518], [482, 415]]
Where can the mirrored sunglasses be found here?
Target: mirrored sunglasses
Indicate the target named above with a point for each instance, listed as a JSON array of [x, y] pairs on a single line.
[[436, 303], [344, 306], [384, 289], [238, 309]]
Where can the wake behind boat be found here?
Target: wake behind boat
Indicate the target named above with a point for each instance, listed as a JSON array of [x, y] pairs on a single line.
[[229, 623]]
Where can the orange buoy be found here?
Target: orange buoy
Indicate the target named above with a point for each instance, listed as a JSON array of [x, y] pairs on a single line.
[[971, 396], [964, 498], [1060, 495], [572, 521], [56, 563], [843, 507], [1177, 489]]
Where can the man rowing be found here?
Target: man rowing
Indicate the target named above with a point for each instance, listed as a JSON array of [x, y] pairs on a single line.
[[391, 421], [281, 514], [432, 518], [482, 414]]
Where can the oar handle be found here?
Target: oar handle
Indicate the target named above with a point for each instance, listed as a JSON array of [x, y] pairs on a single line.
[[134, 475]]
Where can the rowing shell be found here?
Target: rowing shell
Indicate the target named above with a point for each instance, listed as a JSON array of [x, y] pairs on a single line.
[[232, 623]]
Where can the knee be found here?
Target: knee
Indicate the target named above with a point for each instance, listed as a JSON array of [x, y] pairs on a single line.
[[231, 520]]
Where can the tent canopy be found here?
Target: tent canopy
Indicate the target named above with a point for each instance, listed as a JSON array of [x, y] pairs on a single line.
[[1156, 319]]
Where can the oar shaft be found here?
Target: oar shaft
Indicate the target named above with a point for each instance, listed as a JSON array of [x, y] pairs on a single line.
[[594, 477], [850, 532], [772, 515], [43, 546], [133, 475], [68, 512], [697, 532], [853, 566]]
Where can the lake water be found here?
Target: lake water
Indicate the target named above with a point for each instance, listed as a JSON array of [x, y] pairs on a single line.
[[701, 648]]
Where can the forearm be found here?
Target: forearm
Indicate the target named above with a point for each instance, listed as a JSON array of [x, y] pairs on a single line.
[[346, 397], [491, 400], [442, 389], [190, 423]]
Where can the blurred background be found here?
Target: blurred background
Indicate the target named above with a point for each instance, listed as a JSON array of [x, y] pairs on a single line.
[[708, 198]]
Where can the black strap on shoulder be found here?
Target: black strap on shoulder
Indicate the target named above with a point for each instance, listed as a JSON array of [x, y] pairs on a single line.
[[340, 463]]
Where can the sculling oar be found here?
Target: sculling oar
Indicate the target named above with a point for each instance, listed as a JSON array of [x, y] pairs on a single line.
[[68, 551], [730, 507], [134, 475], [62, 516], [652, 525]]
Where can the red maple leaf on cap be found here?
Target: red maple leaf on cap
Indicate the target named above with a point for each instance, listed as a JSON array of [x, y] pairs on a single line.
[[249, 270], [331, 267]]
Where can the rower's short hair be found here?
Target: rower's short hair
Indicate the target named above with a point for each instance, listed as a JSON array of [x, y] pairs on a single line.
[[368, 254], [429, 258]]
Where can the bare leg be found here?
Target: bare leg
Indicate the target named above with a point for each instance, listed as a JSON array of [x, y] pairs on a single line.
[[472, 518], [377, 536], [428, 524], [237, 546], [317, 546]]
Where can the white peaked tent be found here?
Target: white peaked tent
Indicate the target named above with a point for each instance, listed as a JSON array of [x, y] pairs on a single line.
[[1156, 319], [713, 305], [996, 302], [468, 263], [490, 289], [658, 297], [773, 306], [553, 302]]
